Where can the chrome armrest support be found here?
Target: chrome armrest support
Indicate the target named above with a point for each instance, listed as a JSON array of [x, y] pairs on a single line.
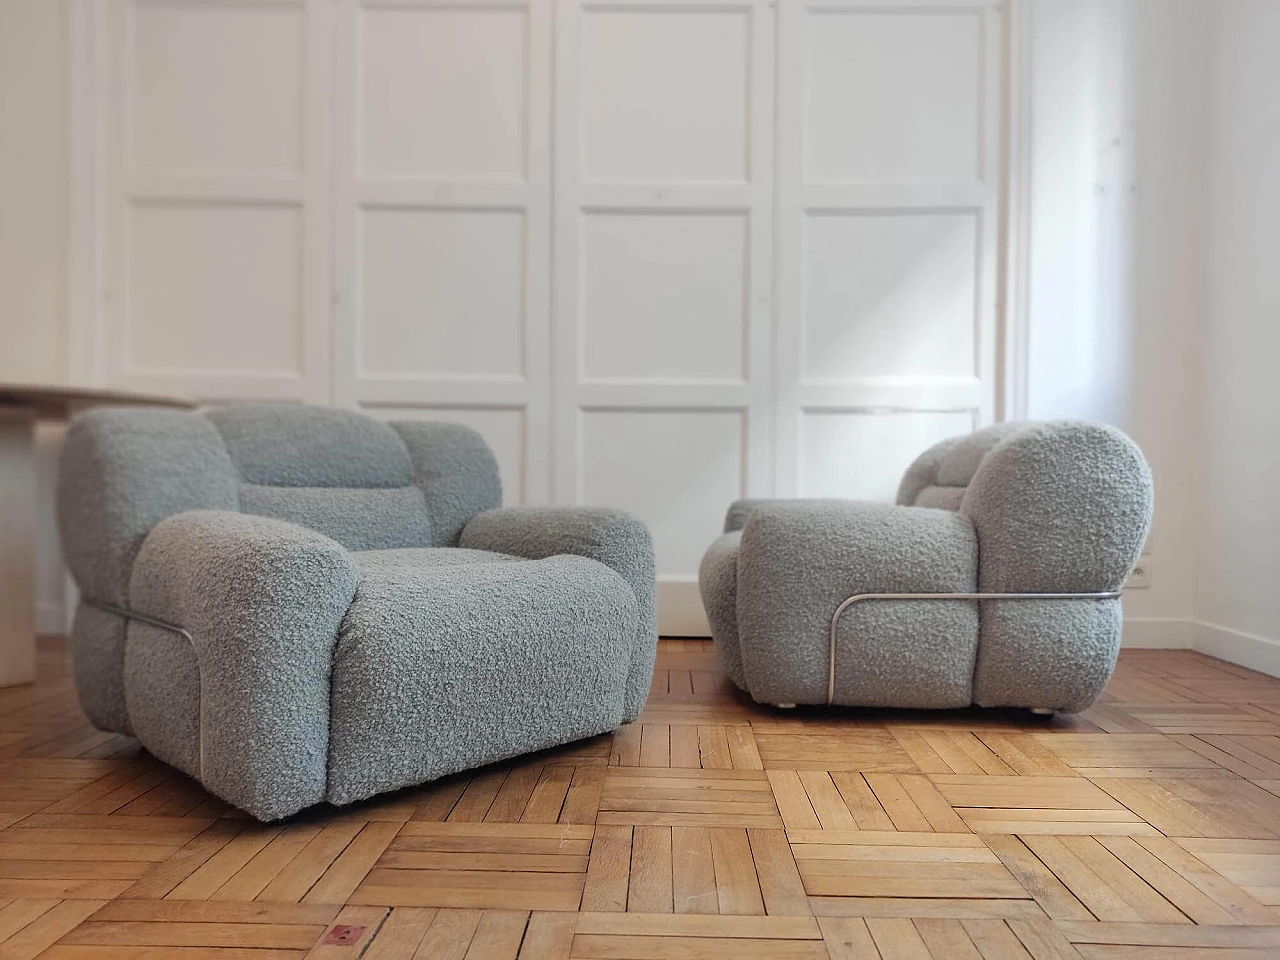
[[185, 634]]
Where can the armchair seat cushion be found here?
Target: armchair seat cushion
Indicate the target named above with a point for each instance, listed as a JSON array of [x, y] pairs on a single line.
[[452, 658]]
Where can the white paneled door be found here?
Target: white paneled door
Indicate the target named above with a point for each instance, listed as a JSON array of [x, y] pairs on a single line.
[[662, 254], [443, 240], [663, 269], [887, 204]]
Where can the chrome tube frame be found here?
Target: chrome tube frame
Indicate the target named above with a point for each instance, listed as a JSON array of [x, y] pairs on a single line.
[[858, 598], [182, 632]]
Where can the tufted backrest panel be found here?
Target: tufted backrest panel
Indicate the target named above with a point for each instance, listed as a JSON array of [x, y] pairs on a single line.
[[1058, 505], [940, 476], [337, 472], [1061, 505], [287, 446]]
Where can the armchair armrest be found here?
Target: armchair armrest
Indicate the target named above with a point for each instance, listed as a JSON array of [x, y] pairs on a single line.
[[262, 600], [799, 560], [611, 537]]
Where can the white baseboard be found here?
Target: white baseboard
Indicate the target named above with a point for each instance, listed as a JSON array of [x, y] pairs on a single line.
[[1162, 633], [680, 612], [1246, 649]]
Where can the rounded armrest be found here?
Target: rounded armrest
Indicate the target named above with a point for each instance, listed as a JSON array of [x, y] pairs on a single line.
[[612, 537], [799, 560], [262, 600], [1060, 506]]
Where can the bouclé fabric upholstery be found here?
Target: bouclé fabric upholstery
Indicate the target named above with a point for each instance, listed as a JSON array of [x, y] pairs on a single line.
[[1023, 507], [361, 615]]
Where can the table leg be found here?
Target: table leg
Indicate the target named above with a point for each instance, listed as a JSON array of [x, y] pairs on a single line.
[[17, 547]]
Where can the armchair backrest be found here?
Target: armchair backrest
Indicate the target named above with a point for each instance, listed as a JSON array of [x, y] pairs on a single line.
[[365, 483], [1057, 505]]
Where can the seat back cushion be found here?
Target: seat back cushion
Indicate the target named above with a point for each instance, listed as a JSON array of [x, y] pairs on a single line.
[[940, 476], [337, 472]]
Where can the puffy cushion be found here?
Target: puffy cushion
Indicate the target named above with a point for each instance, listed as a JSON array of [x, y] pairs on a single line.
[[283, 445], [450, 659], [718, 583], [337, 472], [359, 518], [797, 562]]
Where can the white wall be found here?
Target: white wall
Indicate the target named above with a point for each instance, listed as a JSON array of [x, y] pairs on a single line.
[[33, 189], [1113, 273], [34, 146], [1153, 296], [1237, 598]]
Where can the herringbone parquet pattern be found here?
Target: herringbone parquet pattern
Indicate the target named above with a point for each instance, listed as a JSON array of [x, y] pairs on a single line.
[[1147, 827]]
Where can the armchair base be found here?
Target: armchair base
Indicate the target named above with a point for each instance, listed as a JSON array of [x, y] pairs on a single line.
[[858, 598]]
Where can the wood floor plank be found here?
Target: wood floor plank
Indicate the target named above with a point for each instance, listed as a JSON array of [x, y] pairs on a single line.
[[401, 933], [598, 946], [693, 871], [897, 939], [710, 828], [47, 928], [514, 794], [548, 797], [947, 938], [827, 803], [861, 801], [780, 885], [498, 935], [655, 745], [793, 801], [478, 797], [450, 934], [897, 803], [994, 940], [737, 886], [699, 925], [1043, 939], [342, 877], [650, 886], [847, 938], [609, 871], [1053, 896], [549, 936], [293, 882]]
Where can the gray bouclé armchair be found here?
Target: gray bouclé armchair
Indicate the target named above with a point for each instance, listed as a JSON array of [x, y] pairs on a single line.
[[298, 604], [839, 601]]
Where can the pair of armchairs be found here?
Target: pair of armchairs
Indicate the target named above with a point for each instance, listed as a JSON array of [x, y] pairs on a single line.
[[995, 580], [295, 604]]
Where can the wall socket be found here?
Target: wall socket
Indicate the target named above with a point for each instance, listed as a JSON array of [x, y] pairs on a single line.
[[1140, 579]]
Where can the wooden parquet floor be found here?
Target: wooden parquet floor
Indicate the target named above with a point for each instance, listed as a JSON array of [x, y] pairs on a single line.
[[1147, 827]]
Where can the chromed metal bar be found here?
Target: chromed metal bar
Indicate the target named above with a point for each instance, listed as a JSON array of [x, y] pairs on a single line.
[[141, 617], [858, 598], [186, 635]]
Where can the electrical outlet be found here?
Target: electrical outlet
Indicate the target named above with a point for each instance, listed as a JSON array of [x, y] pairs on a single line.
[[1140, 579]]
